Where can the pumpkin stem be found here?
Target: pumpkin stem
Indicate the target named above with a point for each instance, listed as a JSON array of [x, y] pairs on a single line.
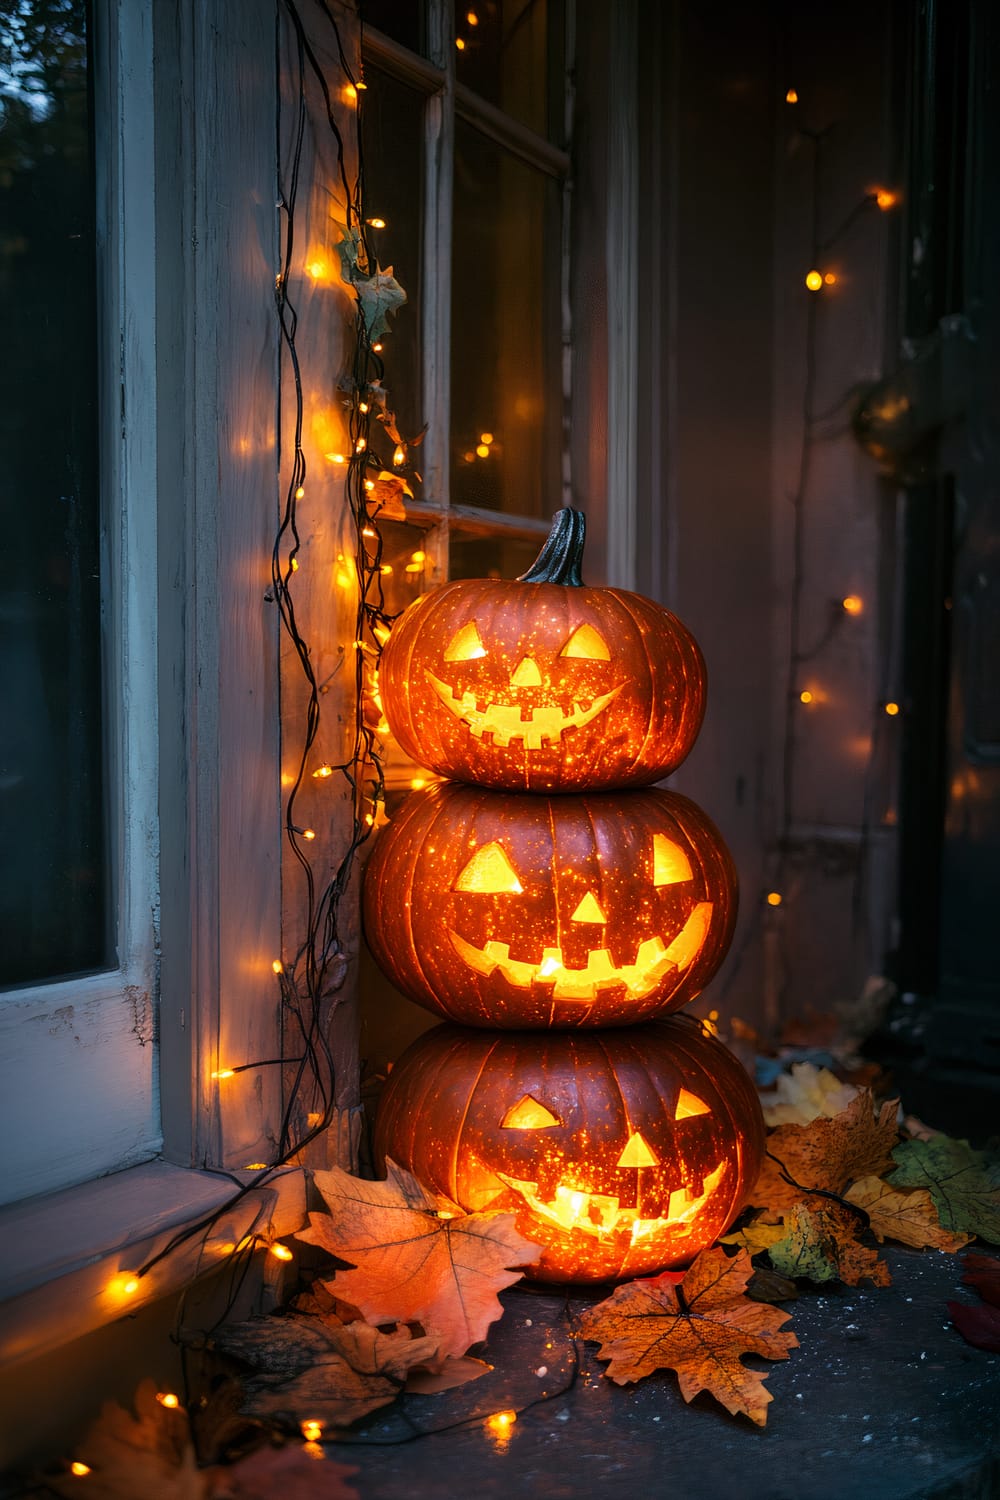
[[561, 558]]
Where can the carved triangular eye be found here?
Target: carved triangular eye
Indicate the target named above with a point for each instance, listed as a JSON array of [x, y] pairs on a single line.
[[638, 1153], [588, 644], [688, 1105], [489, 871], [465, 644], [588, 910], [670, 863], [528, 1114]]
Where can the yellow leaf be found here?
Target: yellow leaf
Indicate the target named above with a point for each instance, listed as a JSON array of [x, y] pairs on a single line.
[[909, 1217], [805, 1093], [756, 1236]]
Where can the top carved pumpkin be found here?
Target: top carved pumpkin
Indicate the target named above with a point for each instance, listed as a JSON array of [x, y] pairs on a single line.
[[542, 684]]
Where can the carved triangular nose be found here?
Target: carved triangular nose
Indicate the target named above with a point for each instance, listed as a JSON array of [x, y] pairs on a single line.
[[637, 1153], [526, 673], [589, 910]]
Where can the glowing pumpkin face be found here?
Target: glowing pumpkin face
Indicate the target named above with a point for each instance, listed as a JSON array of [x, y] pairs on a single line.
[[620, 1152], [528, 911], [542, 684]]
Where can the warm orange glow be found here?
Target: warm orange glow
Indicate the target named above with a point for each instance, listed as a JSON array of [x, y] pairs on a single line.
[[126, 1283], [361, 445], [311, 1429], [465, 645], [377, 348], [528, 1114], [385, 569], [469, 457], [472, 18], [419, 556], [670, 864], [417, 782], [256, 1166], [376, 223], [399, 456], [774, 898], [486, 437], [224, 1073], [277, 967], [814, 280], [460, 44], [300, 493], [805, 696], [489, 870], [853, 604], [892, 709], [336, 458], [589, 910], [792, 97], [482, 450], [362, 406], [281, 1252], [829, 278], [309, 834], [586, 644], [498, 1428], [343, 578], [294, 564], [322, 772], [78, 1468], [886, 198], [350, 93], [168, 1399]]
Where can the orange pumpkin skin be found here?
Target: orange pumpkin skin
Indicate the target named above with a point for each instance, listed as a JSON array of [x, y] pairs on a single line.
[[526, 911], [621, 1152], [543, 686]]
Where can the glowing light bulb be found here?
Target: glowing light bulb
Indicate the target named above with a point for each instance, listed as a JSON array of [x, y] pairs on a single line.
[[829, 278], [482, 450], [486, 437], [399, 457], [886, 198], [360, 85], [852, 605], [377, 348], [255, 1166], [336, 458], [376, 223], [280, 1252], [321, 773], [300, 493], [78, 1468], [316, 269], [892, 709], [472, 18], [277, 967], [363, 406], [361, 445], [168, 1399], [294, 564], [350, 93], [385, 568], [460, 44], [309, 834], [419, 556], [418, 783], [370, 485], [792, 97], [343, 579], [805, 696], [311, 1430], [224, 1073], [498, 1428], [774, 898], [127, 1283], [469, 457], [814, 281]]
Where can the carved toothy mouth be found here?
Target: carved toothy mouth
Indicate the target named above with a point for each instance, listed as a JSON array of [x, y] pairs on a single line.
[[507, 722], [600, 1214], [654, 961]]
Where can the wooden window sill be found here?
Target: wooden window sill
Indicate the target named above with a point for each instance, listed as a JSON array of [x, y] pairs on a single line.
[[62, 1255]]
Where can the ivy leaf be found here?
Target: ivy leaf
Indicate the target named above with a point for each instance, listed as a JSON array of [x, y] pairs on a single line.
[[416, 1257], [378, 293], [332, 1372], [821, 1244], [700, 1328], [826, 1154], [804, 1094], [910, 1218], [964, 1184]]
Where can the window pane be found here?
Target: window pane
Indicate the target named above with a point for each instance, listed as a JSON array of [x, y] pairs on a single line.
[[392, 136], [404, 22], [491, 557], [510, 52], [506, 376], [52, 897]]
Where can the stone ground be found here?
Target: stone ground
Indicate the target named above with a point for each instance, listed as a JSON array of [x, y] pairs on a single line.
[[882, 1399]]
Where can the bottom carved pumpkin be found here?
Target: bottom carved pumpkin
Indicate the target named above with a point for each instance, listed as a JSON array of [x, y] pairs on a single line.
[[621, 1152]]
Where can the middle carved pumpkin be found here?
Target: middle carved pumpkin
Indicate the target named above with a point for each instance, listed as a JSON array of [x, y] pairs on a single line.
[[531, 911]]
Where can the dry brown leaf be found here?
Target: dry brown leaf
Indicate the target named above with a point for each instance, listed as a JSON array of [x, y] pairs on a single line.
[[150, 1456], [417, 1257], [826, 1154], [330, 1372], [700, 1328], [804, 1094], [452, 1373], [909, 1217], [821, 1244], [385, 498]]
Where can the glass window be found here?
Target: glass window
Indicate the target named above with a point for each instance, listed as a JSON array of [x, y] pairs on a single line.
[[405, 23], [53, 907], [509, 52]]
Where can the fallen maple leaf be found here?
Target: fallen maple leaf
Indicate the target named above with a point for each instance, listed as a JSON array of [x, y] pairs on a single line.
[[909, 1217], [804, 1094], [826, 1154], [150, 1455], [820, 1244], [755, 1236], [979, 1326], [983, 1272], [417, 1258], [330, 1372], [700, 1328], [964, 1184]]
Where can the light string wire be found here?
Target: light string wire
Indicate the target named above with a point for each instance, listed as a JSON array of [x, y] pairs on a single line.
[[798, 653], [307, 984]]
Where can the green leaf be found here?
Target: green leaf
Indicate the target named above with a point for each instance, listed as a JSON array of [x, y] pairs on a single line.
[[801, 1252], [378, 295], [964, 1184]]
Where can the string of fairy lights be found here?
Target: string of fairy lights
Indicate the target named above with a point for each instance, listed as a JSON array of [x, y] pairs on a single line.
[[802, 691]]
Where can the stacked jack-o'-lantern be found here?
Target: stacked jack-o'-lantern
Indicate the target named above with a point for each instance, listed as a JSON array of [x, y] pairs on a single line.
[[549, 900]]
